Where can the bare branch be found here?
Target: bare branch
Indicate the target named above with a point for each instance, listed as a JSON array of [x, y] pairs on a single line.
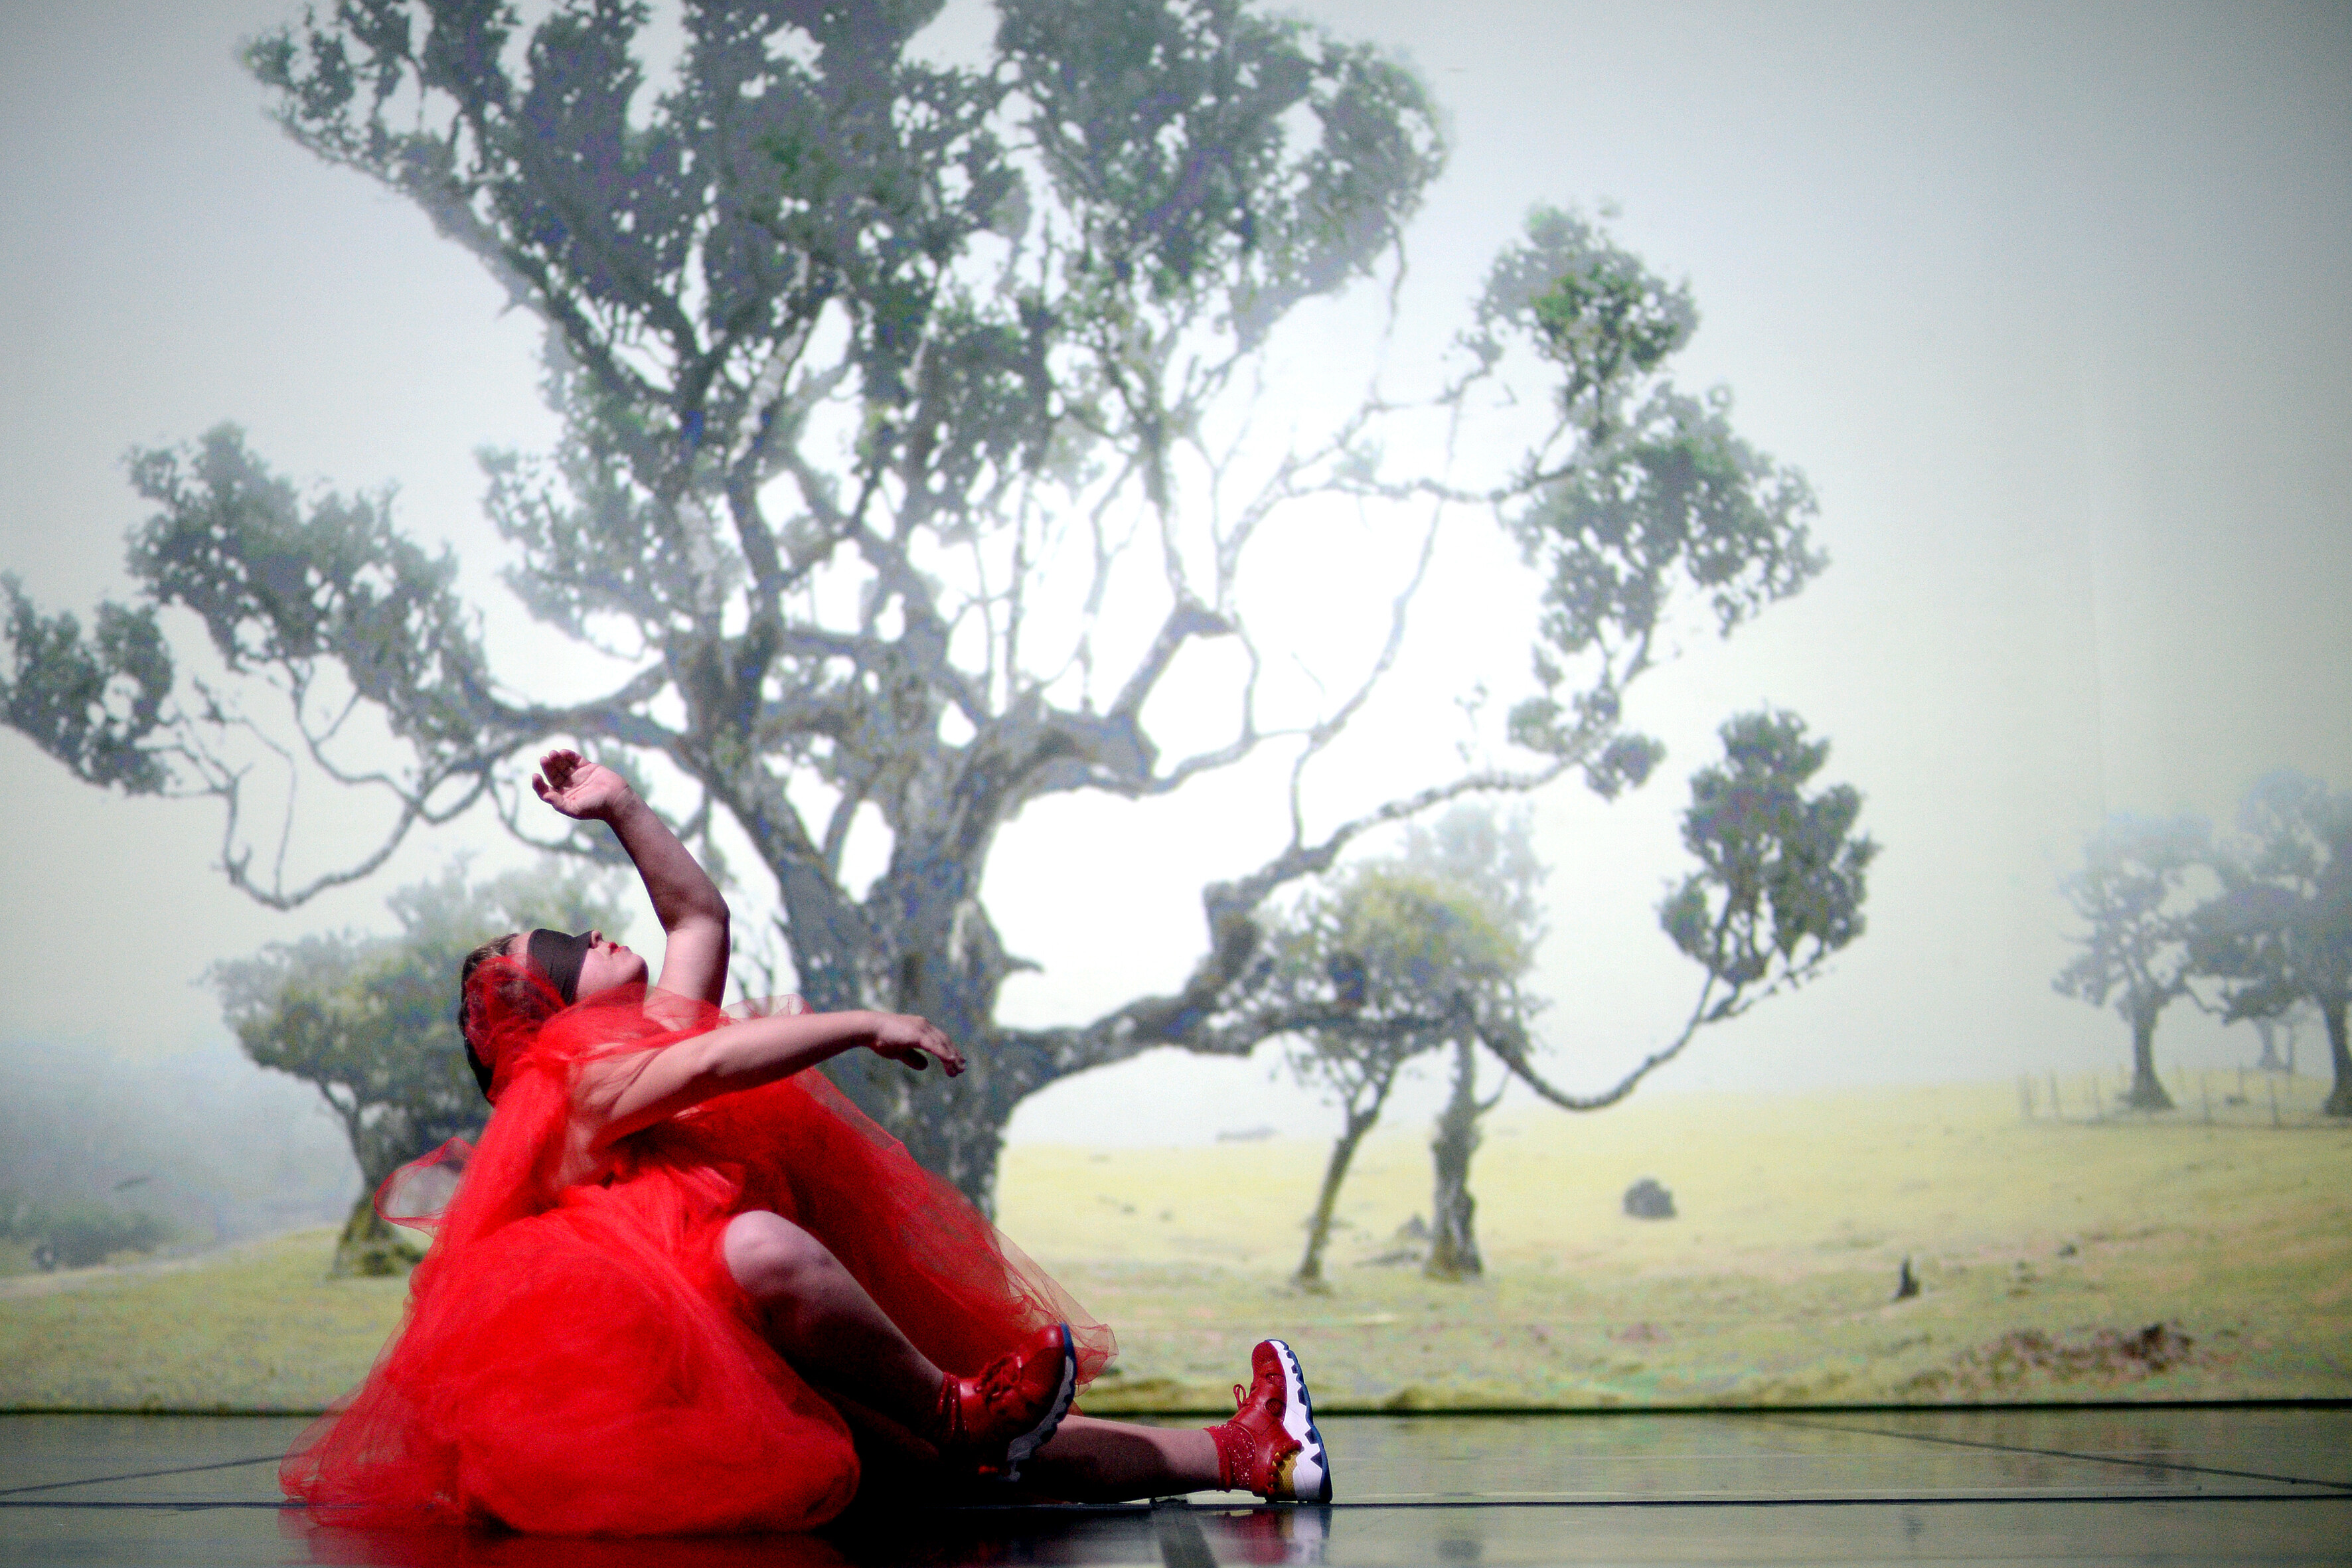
[[1506, 1036], [1327, 730]]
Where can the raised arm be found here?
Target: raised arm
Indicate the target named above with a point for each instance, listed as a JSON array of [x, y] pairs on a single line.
[[626, 1094], [686, 901]]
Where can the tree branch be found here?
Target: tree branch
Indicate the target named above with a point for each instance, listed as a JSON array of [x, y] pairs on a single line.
[[1506, 1036]]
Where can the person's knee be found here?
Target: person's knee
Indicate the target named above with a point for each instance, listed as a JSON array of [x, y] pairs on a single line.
[[770, 1256]]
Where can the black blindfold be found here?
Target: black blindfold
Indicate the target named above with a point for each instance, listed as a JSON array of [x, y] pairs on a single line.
[[558, 957]]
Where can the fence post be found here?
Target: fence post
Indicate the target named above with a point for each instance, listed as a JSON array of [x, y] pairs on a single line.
[[2205, 1094], [2273, 1081], [2057, 1106]]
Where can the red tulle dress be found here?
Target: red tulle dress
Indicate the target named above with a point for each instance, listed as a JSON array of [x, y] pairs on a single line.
[[577, 1360]]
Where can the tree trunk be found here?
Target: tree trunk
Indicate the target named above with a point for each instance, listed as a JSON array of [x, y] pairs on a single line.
[[1335, 1174], [1452, 1235], [2340, 1099], [928, 950], [2146, 1093], [2272, 1061], [370, 1246]]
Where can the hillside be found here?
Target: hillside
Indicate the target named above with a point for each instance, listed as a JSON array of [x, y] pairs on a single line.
[[2046, 1253]]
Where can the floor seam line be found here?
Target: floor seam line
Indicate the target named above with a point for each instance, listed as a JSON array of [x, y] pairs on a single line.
[[143, 1475], [2183, 1468], [1993, 1500]]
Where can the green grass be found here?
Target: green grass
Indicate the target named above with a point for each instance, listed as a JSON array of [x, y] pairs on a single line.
[[1775, 1284], [258, 1327], [2031, 1239]]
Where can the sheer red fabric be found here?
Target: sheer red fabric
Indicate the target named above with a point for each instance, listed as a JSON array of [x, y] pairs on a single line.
[[576, 1360]]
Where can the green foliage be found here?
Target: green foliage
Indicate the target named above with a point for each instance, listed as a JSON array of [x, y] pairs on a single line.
[[79, 1233], [1642, 494], [2132, 893], [1781, 879], [1422, 936], [371, 1021], [1384, 961], [92, 703], [1164, 131], [2280, 932], [281, 586]]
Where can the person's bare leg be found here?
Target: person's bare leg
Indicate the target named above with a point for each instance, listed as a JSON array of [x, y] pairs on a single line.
[[825, 1324], [1107, 1461]]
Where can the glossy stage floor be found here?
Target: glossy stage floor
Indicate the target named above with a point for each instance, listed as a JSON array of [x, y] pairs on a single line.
[[2247, 1485]]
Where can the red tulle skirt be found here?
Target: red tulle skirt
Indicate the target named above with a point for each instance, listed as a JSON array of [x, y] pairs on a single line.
[[578, 1360]]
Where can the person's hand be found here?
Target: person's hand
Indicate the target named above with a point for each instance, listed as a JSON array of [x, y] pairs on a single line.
[[578, 788], [914, 1041]]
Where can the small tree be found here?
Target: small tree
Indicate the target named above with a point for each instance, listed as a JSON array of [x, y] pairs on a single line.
[[1494, 861], [2280, 931], [2134, 893], [371, 1021], [1390, 964], [79, 1234], [1778, 891]]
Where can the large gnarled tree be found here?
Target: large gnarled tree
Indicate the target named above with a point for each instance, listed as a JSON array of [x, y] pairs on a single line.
[[901, 465]]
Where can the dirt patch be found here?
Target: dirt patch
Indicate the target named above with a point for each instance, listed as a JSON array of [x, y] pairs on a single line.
[[2025, 1358]]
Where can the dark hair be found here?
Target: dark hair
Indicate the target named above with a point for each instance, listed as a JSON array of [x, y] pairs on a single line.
[[495, 948]]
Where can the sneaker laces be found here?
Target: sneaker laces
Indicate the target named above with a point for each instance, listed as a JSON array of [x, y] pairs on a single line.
[[999, 1379]]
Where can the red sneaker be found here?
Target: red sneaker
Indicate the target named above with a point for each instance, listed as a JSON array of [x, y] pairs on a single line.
[[995, 1421], [1271, 1447]]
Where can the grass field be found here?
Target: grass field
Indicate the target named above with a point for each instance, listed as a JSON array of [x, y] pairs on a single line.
[[2045, 1251]]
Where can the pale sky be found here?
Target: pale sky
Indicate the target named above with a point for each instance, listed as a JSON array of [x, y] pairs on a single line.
[[2050, 304]]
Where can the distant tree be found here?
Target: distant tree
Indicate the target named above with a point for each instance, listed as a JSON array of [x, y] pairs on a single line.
[[2280, 931], [2277, 1032], [906, 451], [371, 1020], [1778, 891], [2135, 892], [1395, 956], [1493, 860], [79, 1234]]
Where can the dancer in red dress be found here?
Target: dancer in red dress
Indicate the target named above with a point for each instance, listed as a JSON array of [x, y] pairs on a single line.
[[683, 1285]]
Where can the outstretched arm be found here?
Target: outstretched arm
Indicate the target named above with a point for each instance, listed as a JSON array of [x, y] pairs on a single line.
[[630, 1093], [686, 901]]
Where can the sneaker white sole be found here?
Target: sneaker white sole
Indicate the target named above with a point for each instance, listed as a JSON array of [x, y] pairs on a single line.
[[1310, 1468], [1038, 1436]]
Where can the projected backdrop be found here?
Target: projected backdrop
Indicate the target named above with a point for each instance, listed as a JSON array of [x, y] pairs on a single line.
[[1591, 707]]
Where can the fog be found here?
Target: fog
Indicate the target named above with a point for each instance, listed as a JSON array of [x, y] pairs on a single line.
[[196, 1135], [2051, 307]]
